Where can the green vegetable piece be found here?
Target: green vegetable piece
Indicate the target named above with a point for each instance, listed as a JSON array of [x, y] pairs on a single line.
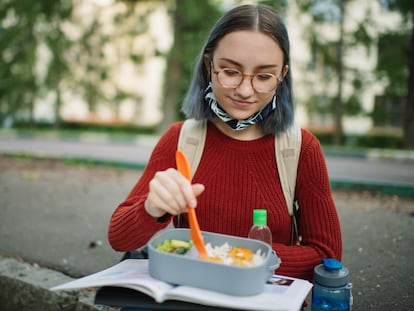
[[179, 243], [165, 246], [174, 246], [181, 250]]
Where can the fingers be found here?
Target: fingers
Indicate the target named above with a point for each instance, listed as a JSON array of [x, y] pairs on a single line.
[[197, 190], [170, 192]]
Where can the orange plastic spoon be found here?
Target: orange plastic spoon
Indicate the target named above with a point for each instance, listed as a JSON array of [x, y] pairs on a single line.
[[184, 168]]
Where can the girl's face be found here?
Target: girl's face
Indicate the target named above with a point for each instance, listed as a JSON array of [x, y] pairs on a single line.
[[257, 57]]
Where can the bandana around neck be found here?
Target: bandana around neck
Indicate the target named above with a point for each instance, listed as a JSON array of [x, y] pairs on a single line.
[[237, 125]]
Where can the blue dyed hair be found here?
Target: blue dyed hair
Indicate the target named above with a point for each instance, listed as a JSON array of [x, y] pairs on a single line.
[[245, 17]]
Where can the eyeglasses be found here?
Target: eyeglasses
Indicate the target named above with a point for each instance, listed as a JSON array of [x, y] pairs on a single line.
[[263, 82]]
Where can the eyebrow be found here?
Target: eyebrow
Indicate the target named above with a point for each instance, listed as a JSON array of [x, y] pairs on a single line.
[[266, 66]]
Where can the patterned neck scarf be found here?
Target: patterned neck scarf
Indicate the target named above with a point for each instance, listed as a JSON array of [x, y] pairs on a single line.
[[237, 125]]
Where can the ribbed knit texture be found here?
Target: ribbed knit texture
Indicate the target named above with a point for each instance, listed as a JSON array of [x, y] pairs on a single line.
[[240, 176]]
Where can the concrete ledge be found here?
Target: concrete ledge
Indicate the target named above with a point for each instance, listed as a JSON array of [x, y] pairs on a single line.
[[24, 286]]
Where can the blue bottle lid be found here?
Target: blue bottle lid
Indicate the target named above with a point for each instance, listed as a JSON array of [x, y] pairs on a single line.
[[331, 264], [331, 273]]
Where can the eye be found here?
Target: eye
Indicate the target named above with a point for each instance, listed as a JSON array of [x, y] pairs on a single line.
[[264, 76], [231, 72]]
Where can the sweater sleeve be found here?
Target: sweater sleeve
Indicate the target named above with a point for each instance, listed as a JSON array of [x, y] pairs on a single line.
[[130, 227], [318, 222]]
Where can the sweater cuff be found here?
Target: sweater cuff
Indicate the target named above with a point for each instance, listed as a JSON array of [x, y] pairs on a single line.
[[164, 218]]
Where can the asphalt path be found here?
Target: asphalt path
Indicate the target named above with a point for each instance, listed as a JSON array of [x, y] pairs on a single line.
[[347, 169], [56, 215]]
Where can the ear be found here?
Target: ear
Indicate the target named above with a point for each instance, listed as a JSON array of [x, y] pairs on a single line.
[[285, 71]]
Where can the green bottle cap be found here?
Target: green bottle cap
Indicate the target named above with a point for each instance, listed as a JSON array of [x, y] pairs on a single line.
[[260, 217]]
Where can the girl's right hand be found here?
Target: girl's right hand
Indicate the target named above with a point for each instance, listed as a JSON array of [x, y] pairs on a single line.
[[170, 192]]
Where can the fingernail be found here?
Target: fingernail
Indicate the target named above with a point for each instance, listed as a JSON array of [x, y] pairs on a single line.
[[193, 203]]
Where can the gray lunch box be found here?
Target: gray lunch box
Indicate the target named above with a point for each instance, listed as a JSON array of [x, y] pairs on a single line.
[[192, 271]]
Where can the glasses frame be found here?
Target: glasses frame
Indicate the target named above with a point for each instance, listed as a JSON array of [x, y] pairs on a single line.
[[243, 75]]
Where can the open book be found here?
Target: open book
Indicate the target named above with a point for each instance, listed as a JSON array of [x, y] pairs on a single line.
[[280, 293]]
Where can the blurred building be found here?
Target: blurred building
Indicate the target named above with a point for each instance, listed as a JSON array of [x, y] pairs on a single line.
[[129, 44], [143, 81], [316, 87]]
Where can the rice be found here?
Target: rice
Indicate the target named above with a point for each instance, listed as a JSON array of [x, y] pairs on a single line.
[[222, 254]]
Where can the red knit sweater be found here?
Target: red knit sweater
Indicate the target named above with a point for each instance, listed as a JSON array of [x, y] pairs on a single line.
[[240, 176]]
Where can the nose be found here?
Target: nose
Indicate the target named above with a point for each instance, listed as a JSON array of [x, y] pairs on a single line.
[[245, 88]]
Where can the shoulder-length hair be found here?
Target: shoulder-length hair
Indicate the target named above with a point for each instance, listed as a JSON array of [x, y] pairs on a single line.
[[246, 17]]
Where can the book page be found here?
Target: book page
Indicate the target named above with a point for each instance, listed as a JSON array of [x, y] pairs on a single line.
[[130, 273], [280, 293]]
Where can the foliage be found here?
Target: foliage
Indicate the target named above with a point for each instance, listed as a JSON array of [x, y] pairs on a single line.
[[280, 5], [39, 57], [329, 55], [392, 46], [191, 27], [69, 127], [24, 26], [380, 141], [352, 141], [394, 73], [106, 44], [48, 48], [392, 63], [191, 34]]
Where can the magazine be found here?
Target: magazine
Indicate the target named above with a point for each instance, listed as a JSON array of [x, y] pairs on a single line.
[[280, 293]]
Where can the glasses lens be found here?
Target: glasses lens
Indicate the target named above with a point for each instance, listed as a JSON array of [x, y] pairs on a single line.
[[262, 82], [230, 78]]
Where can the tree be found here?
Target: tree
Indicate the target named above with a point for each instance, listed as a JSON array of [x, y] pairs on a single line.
[[409, 108], [329, 59], [406, 8], [105, 43], [24, 27], [191, 26], [70, 50]]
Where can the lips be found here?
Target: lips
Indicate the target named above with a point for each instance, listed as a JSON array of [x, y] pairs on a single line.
[[241, 103]]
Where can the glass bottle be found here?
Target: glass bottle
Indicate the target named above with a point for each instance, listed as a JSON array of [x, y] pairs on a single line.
[[260, 230]]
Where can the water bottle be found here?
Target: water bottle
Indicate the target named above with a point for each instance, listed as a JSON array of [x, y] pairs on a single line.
[[260, 230], [331, 290]]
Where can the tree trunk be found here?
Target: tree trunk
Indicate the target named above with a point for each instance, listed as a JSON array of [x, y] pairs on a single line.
[[338, 105], [409, 103], [173, 76], [58, 104]]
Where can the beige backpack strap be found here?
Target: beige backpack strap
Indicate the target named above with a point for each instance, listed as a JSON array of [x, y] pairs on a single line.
[[287, 148], [192, 139]]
